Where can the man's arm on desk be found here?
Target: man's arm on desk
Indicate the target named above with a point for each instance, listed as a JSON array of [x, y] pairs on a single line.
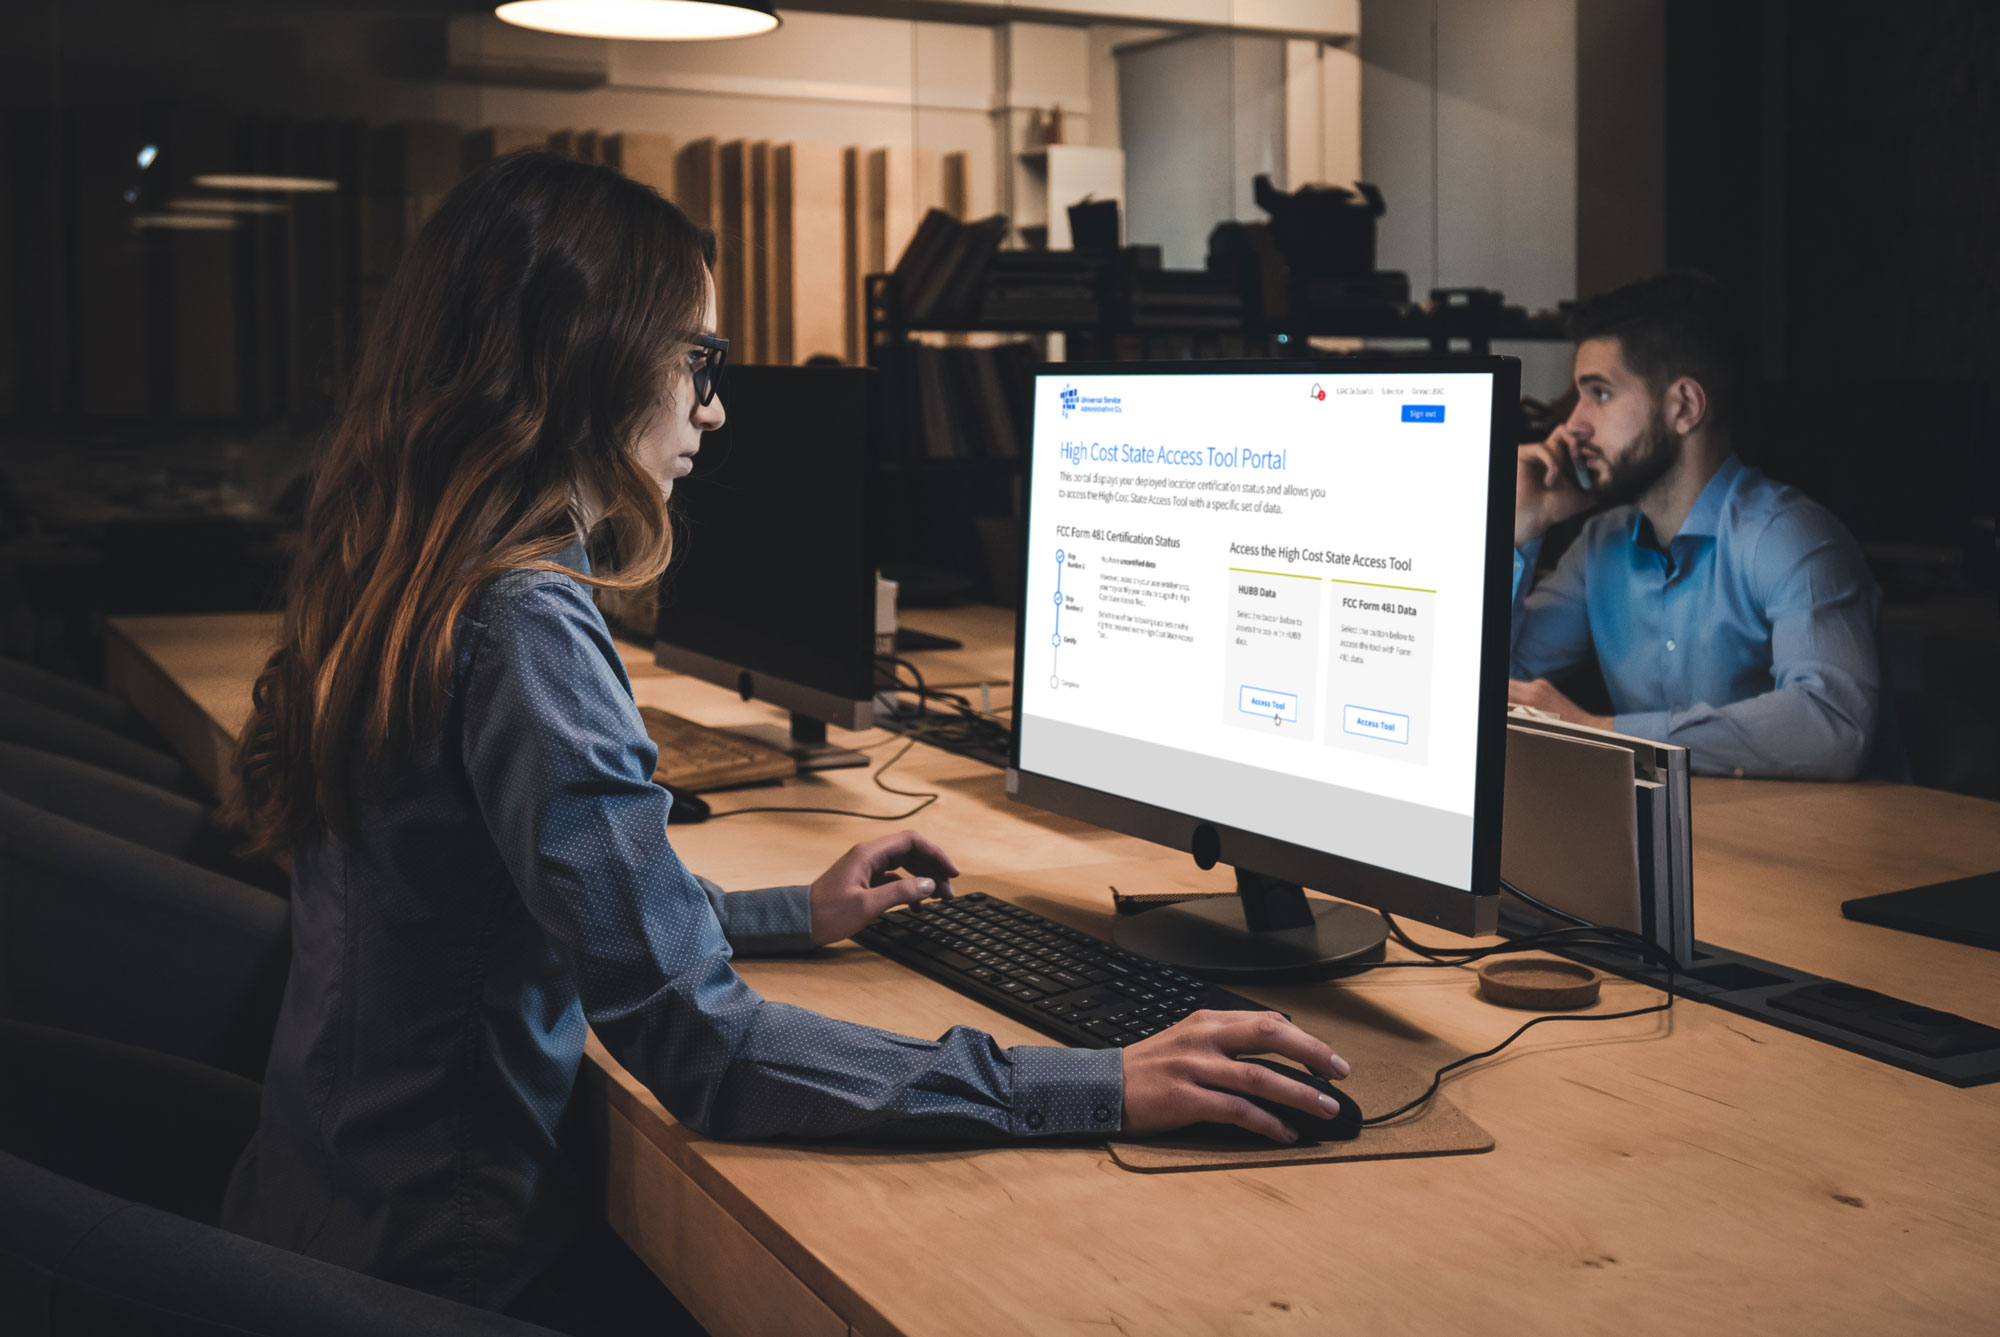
[[1817, 721]]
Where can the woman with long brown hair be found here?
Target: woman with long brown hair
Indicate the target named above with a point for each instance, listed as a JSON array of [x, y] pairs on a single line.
[[446, 745]]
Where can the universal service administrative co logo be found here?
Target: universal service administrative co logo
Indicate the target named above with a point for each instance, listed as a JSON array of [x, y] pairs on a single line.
[[1074, 402]]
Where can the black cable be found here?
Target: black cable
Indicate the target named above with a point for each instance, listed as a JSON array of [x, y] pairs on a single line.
[[1582, 933], [964, 729], [1437, 1078], [928, 798]]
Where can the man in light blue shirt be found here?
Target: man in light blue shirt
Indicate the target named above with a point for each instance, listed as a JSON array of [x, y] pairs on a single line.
[[1730, 614]]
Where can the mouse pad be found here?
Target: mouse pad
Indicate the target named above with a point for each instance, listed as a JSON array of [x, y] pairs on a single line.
[[1439, 1128]]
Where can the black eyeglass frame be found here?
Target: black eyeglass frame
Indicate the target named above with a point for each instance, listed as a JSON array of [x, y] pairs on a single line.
[[708, 376]]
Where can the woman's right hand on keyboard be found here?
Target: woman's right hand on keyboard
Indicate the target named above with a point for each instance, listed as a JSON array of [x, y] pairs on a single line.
[[1188, 1073]]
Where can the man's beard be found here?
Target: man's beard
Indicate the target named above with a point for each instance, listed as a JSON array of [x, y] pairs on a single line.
[[1628, 477]]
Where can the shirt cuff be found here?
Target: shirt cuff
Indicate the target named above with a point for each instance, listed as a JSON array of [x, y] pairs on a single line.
[[1066, 1091], [1525, 558], [770, 921], [1653, 724]]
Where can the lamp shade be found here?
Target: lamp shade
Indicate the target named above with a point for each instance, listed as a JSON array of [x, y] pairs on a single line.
[[644, 20], [290, 185]]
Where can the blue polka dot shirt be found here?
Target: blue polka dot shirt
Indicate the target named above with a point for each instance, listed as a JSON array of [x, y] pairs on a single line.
[[514, 889]]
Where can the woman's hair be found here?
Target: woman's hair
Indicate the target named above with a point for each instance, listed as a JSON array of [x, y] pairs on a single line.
[[526, 340]]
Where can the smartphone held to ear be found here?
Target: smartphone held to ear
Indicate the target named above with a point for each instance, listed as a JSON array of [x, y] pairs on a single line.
[[1581, 474]]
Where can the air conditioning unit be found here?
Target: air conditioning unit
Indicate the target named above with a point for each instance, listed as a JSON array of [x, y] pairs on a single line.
[[479, 49]]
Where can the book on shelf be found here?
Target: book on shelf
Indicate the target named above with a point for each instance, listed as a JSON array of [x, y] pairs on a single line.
[[971, 402], [939, 274]]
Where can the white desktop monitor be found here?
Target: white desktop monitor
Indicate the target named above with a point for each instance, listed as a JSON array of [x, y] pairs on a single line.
[[1266, 621]]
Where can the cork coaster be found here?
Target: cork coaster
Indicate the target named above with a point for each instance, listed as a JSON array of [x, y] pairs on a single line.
[[1439, 1128]]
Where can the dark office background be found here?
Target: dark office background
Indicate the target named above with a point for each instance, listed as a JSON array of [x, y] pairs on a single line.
[[161, 393]]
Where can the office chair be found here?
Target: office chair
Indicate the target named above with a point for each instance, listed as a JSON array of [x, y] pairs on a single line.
[[75, 698], [78, 1262], [34, 724], [132, 810], [108, 800], [108, 938], [124, 1120]]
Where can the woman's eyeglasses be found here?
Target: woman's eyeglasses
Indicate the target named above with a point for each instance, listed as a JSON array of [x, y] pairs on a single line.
[[708, 372]]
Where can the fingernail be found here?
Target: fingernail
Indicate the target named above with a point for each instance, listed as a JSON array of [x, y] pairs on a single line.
[[926, 886], [1330, 1105], [1291, 1135], [1340, 1066]]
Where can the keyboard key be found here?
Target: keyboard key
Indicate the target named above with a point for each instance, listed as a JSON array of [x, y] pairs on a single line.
[[944, 956]]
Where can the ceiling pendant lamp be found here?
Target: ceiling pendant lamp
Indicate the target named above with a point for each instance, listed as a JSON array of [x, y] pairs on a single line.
[[644, 20], [284, 184]]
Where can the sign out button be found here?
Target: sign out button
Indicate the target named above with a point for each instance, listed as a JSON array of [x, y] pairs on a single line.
[[1423, 413]]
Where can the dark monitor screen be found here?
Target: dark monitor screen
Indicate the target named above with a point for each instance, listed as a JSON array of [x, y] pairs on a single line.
[[773, 573]]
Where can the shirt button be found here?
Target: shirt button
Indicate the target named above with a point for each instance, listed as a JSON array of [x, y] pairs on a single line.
[[1670, 645], [1100, 1114], [1739, 772], [1034, 1120]]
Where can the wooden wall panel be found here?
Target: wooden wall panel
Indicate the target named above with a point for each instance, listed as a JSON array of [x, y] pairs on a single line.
[[483, 145], [813, 240], [854, 247], [737, 279], [902, 184], [698, 182], [645, 157], [954, 185], [762, 291]]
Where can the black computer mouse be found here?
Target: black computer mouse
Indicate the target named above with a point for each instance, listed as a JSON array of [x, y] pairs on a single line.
[[688, 807], [1342, 1127]]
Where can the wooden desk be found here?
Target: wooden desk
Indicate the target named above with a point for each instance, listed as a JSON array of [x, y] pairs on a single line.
[[1653, 1176], [986, 658]]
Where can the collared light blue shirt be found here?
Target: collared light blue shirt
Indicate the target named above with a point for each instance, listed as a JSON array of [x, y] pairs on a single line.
[[1749, 639], [510, 890]]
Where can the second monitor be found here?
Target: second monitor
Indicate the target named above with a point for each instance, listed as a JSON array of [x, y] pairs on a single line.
[[772, 588]]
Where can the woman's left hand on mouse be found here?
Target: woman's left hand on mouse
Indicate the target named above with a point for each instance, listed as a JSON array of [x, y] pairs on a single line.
[[862, 883]]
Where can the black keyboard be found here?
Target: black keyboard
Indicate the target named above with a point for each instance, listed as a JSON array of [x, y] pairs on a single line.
[[1060, 980]]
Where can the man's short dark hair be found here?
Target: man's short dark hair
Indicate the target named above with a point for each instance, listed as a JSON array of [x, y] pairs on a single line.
[[1670, 326]]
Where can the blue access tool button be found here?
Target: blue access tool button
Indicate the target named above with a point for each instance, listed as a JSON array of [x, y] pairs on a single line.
[[1386, 725], [1423, 413], [1269, 704]]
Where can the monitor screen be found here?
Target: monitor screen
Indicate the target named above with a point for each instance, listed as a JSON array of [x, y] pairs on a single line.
[[773, 573], [1273, 599]]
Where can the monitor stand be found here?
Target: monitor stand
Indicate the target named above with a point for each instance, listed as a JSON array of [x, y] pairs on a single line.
[[1270, 930], [805, 744]]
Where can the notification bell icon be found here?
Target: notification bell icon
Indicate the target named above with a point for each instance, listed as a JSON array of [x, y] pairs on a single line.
[[1317, 392]]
